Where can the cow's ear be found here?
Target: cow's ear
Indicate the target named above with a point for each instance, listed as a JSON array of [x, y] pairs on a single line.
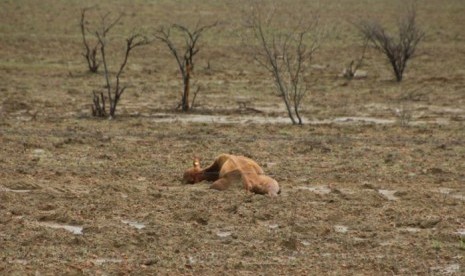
[[196, 161]]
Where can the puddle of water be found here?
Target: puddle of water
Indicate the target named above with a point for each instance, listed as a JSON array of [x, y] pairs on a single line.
[[411, 229], [341, 229], [305, 243], [461, 197], [77, 230], [237, 119], [461, 232], [449, 192], [38, 152], [363, 120], [442, 109], [447, 270], [269, 225], [321, 190], [388, 194], [273, 226], [357, 239], [104, 261], [134, 224], [347, 191], [260, 119], [445, 191], [19, 261], [386, 243], [219, 119], [4, 189], [223, 234]]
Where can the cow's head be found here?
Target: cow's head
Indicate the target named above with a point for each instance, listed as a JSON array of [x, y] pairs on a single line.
[[194, 174]]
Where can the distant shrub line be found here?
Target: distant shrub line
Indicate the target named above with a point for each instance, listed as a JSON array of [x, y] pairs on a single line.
[[285, 52]]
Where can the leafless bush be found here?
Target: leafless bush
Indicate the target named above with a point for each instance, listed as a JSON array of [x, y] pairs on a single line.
[[285, 53], [400, 49], [114, 90], [184, 55]]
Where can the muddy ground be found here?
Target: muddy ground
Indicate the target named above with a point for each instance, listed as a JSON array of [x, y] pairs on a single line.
[[373, 182]]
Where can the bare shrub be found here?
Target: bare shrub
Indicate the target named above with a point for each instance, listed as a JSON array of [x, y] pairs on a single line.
[[398, 50], [114, 90], [285, 52], [184, 55]]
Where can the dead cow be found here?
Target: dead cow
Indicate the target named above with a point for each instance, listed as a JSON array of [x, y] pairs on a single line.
[[229, 169]]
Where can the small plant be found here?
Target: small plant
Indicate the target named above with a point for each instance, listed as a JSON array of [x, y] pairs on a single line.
[[436, 245], [404, 115], [398, 50], [462, 244], [184, 55]]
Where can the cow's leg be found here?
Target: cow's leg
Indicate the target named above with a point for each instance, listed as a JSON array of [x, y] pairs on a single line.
[[220, 184]]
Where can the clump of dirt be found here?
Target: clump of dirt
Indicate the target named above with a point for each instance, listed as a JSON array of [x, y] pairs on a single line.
[[13, 104]]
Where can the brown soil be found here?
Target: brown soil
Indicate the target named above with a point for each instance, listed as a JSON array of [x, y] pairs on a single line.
[[373, 183]]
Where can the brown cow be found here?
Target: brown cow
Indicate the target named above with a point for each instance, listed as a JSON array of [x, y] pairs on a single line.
[[228, 169]]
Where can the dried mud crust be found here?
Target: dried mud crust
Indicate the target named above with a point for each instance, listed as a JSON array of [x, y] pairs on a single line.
[[372, 184], [369, 199]]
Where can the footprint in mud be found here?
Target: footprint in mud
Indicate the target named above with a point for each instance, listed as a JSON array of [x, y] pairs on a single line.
[[450, 192]]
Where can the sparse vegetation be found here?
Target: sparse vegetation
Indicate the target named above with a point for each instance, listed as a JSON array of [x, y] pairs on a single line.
[[403, 114], [114, 89], [119, 181], [398, 50], [184, 55], [285, 53]]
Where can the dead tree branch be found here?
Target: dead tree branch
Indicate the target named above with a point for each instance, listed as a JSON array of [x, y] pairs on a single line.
[[90, 53]]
